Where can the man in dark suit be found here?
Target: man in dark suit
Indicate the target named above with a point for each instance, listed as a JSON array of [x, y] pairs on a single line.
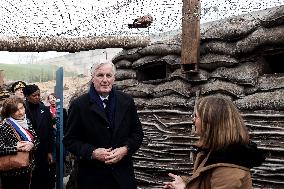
[[41, 120], [104, 132]]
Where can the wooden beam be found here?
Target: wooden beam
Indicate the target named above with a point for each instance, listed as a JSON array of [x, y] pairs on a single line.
[[190, 35], [43, 44]]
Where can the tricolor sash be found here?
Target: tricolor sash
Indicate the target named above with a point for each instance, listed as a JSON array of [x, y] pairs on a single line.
[[22, 131]]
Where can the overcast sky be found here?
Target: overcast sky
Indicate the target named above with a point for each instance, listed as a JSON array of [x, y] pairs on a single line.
[[73, 18]]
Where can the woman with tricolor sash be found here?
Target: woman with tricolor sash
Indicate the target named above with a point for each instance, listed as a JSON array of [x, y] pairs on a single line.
[[15, 120]]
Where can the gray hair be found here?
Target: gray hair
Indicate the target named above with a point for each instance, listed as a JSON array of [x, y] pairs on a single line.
[[98, 64]]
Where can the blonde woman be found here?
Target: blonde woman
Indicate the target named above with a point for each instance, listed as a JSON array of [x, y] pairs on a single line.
[[225, 153], [13, 112]]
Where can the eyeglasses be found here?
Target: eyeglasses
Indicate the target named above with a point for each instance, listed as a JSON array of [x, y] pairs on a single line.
[[194, 116]]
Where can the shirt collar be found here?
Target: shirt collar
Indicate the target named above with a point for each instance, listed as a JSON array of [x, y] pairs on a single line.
[[103, 98]]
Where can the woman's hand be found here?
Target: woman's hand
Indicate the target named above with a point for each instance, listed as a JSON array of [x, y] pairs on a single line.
[[25, 146], [177, 183]]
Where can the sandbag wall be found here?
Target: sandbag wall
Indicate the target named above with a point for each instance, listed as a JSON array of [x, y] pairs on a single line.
[[241, 59]]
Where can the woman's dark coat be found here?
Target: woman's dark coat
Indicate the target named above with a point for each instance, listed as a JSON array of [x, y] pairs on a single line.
[[41, 119], [89, 128], [8, 146]]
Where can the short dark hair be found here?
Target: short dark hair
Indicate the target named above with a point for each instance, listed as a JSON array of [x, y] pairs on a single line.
[[53, 94], [30, 89]]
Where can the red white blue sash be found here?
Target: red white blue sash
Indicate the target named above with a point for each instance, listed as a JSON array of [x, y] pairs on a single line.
[[22, 131]]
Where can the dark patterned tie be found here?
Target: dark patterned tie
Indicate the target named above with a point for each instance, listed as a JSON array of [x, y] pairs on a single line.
[[106, 107]]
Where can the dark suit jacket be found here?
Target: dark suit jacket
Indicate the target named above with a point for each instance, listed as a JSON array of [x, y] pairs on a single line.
[[89, 128]]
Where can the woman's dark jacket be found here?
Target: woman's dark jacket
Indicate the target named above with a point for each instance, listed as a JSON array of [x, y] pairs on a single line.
[[41, 120], [8, 146]]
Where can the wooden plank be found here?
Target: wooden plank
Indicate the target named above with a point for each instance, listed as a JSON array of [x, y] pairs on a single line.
[[190, 35]]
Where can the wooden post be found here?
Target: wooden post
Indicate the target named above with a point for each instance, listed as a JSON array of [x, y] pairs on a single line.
[[59, 130], [190, 35]]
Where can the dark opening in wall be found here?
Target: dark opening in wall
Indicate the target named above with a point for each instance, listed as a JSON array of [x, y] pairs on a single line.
[[274, 62], [152, 72]]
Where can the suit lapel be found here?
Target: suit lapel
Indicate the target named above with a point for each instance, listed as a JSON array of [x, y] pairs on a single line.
[[120, 109], [95, 108], [96, 105]]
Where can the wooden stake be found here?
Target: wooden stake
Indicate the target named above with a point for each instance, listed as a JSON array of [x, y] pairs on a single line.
[[190, 35]]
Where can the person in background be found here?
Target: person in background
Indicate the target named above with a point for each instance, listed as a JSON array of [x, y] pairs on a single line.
[[13, 112], [51, 98], [103, 132], [41, 120], [17, 89], [3, 95], [225, 153]]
